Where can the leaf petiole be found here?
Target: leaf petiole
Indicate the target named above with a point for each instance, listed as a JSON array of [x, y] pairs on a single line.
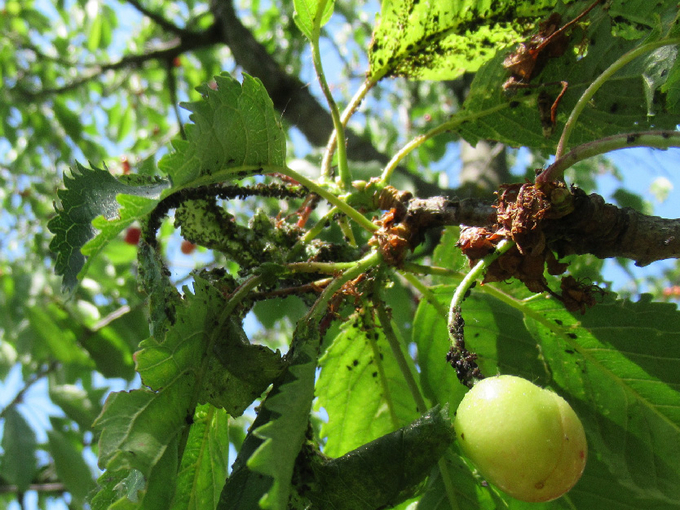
[[654, 139], [626, 58]]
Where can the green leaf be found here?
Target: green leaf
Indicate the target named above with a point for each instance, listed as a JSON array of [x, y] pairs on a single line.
[[139, 426], [385, 471], [78, 405], [71, 468], [239, 372], [112, 346], [68, 119], [442, 40], [658, 66], [311, 15], [634, 19], [619, 106], [19, 463], [290, 403], [91, 193], [233, 126], [360, 378], [132, 208], [203, 471], [54, 328], [621, 363], [118, 490], [95, 34]]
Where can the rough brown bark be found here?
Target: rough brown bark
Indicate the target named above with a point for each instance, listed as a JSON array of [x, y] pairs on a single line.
[[594, 227]]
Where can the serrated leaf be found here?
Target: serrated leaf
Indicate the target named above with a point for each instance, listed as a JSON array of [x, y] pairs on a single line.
[[621, 360], [385, 471], [360, 378], [139, 426], [311, 14], [71, 468], [91, 193], [233, 126], [442, 40], [289, 404], [203, 471], [19, 463]]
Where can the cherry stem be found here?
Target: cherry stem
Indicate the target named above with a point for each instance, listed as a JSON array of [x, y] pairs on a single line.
[[462, 360]]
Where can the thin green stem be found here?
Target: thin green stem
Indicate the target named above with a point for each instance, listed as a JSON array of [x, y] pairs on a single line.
[[312, 233], [655, 139], [349, 110], [431, 270], [381, 371], [319, 267], [398, 353], [448, 483], [426, 292], [474, 274], [372, 259], [416, 142], [330, 197], [599, 81], [343, 169]]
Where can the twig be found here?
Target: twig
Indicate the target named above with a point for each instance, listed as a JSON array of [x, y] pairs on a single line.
[[18, 398], [654, 139], [160, 20]]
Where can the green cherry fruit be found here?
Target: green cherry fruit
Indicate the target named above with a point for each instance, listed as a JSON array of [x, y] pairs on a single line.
[[524, 439]]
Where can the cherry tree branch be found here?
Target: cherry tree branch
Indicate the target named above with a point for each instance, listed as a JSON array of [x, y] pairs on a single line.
[[158, 19], [594, 227], [165, 53]]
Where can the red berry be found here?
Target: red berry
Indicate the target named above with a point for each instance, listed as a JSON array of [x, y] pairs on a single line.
[[187, 247], [125, 164], [132, 235]]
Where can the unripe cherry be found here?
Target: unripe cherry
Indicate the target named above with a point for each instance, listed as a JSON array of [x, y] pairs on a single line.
[[524, 439]]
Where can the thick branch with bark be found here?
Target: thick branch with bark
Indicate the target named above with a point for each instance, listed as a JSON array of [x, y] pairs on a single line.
[[609, 231], [594, 227]]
